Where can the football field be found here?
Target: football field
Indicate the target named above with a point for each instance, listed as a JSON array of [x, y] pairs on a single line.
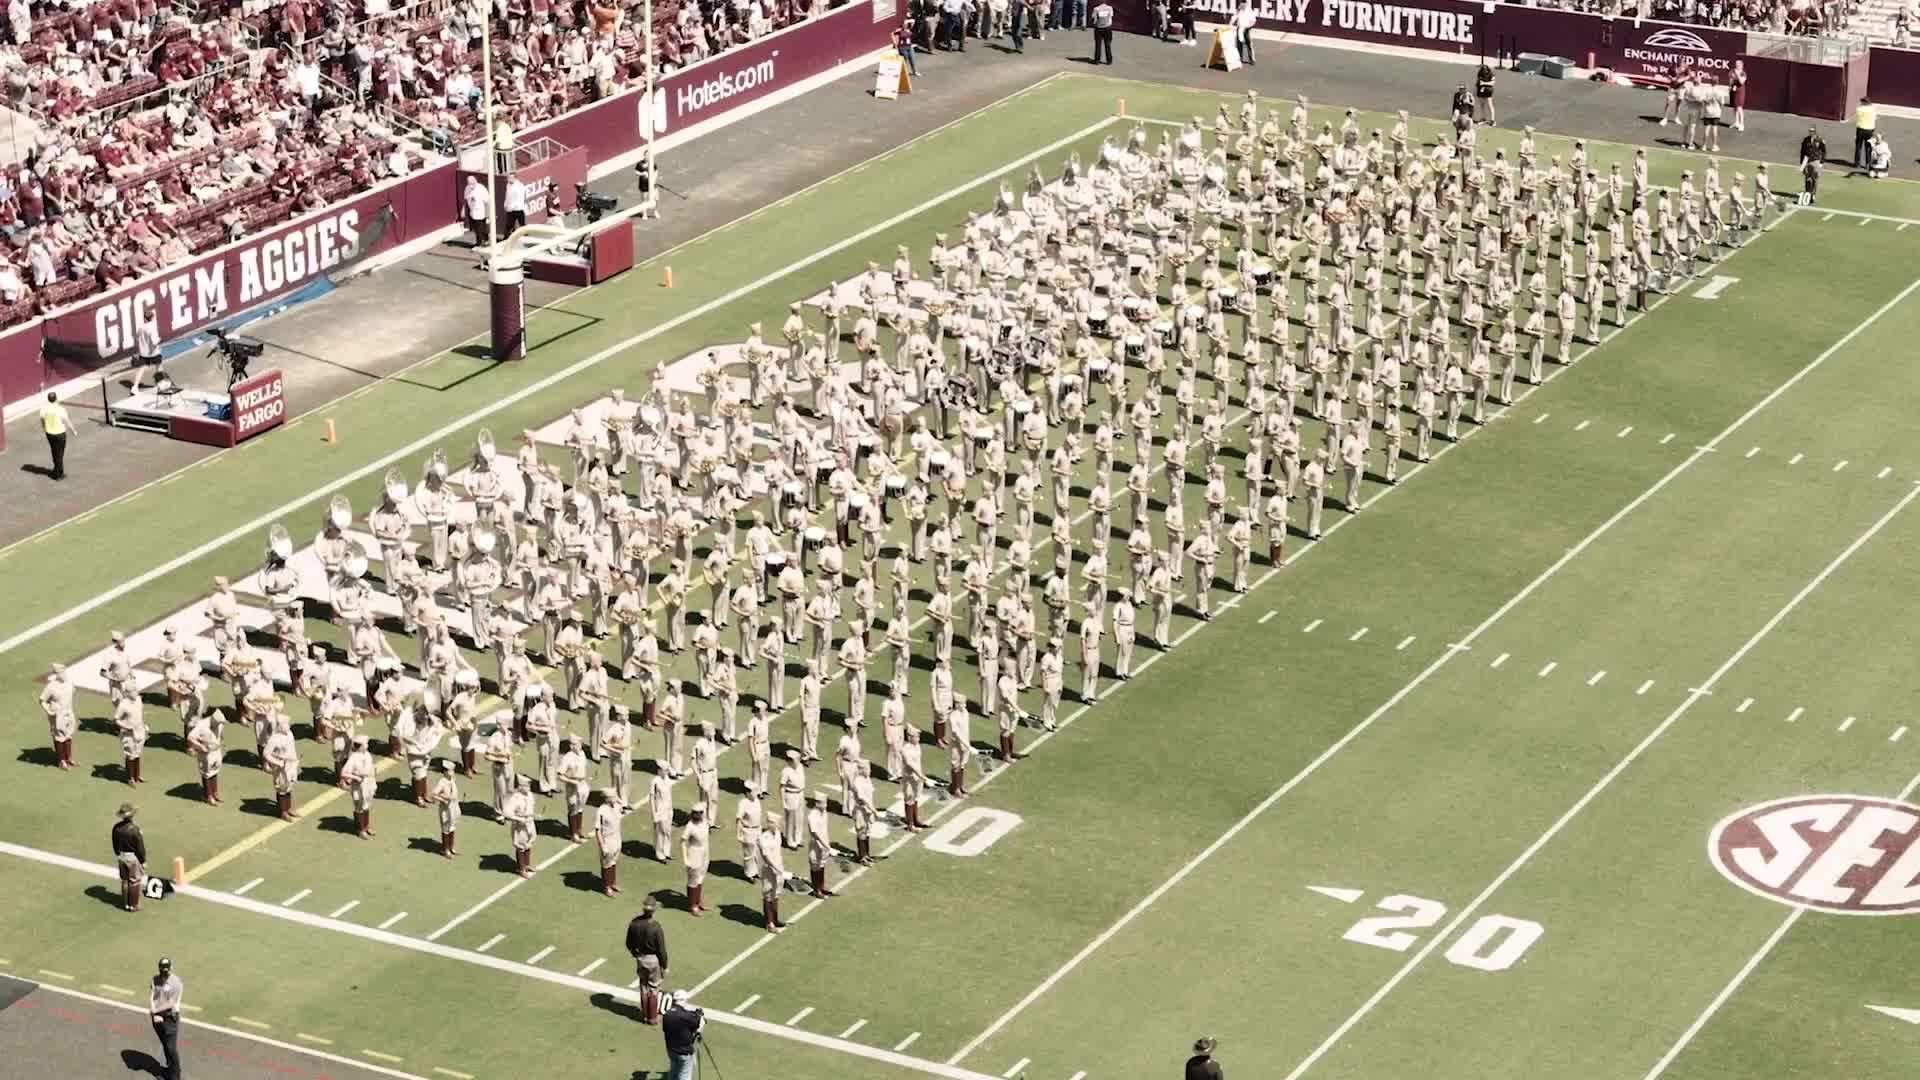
[[1583, 752]]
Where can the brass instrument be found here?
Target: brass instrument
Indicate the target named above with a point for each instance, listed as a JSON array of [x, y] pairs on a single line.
[[396, 487], [339, 513], [279, 543]]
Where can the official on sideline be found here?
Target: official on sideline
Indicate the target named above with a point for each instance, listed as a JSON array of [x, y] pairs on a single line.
[[57, 424]]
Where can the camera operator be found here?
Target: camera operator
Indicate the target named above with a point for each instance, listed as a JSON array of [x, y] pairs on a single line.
[[681, 1027]]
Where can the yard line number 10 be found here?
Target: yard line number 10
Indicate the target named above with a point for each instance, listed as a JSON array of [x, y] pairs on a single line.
[[1489, 943]]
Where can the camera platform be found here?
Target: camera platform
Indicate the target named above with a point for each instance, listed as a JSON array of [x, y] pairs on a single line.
[[208, 417], [604, 253]]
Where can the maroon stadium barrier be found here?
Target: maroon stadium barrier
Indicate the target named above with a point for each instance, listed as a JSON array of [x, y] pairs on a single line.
[[250, 272], [1894, 76], [1640, 50]]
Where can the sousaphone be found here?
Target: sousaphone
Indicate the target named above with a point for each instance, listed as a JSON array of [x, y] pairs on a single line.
[[395, 488], [279, 543], [484, 538], [339, 513]]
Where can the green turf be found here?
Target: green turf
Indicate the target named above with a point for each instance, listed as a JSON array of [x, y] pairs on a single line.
[[1437, 799]]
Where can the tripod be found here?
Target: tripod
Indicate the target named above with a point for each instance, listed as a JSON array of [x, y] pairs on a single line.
[[708, 1050]]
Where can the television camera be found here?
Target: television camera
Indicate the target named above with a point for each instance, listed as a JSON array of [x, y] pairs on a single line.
[[236, 351]]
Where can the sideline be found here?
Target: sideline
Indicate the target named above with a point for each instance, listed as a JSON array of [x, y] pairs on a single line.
[[571, 982], [1464, 644], [440, 434]]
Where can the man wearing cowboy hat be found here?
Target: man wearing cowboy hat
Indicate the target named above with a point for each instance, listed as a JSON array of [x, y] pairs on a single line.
[[1201, 1065], [647, 944], [130, 852]]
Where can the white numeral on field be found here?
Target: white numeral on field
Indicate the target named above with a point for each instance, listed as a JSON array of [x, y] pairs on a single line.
[[1389, 931], [1715, 285], [1470, 949], [986, 825], [1490, 943]]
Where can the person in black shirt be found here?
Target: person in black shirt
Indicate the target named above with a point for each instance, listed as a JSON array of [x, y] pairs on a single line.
[[1201, 1065], [130, 852], [1813, 158], [647, 944], [1483, 89], [681, 1029]]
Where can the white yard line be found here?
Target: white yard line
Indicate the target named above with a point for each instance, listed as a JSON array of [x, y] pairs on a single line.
[[1472, 909], [620, 348], [104, 871], [239, 1034], [1739, 977], [502, 891], [1422, 676]]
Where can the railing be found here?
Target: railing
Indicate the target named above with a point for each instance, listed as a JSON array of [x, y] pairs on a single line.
[[1801, 49]]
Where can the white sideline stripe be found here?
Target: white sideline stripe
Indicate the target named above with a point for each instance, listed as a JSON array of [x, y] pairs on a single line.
[[248, 887], [799, 1016], [1644, 687], [1421, 677], [296, 898], [440, 434], [487, 945], [394, 918], [853, 1027], [1472, 909], [467, 956], [1740, 976], [238, 1033], [343, 909], [1013, 1070], [589, 969], [541, 955], [747, 1004], [1267, 616]]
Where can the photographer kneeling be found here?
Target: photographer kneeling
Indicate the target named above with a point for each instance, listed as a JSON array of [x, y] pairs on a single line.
[[681, 1027]]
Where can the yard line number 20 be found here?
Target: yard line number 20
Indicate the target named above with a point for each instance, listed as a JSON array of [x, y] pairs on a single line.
[[1491, 943]]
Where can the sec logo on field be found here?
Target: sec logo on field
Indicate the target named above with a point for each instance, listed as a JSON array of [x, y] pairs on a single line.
[[1848, 854]]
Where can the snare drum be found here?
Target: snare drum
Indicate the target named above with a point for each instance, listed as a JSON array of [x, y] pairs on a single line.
[[791, 493], [856, 503], [939, 461], [1134, 307], [1262, 274], [982, 437], [1229, 296], [1097, 365], [813, 536], [867, 443], [1023, 406], [1008, 328], [1168, 335], [776, 562], [1098, 318], [894, 485], [823, 471], [1136, 345]]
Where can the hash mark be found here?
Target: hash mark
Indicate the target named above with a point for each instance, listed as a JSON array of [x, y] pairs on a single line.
[[343, 909], [1842, 465], [1542, 418], [1644, 687], [1014, 1069], [296, 898], [1597, 676], [1795, 459], [855, 1026], [541, 955], [248, 887], [801, 1015], [1582, 425], [1501, 659], [1624, 432], [1403, 645], [393, 919], [747, 1004], [1744, 705], [1897, 732], [906, 1042], [588, 970], [1847, 723], [1310, 627], [1795, 714], [1551, 664], [1667, 440], [1882, 474], [1358, 634], [1753, 451], [1268, 615], [491, 942]]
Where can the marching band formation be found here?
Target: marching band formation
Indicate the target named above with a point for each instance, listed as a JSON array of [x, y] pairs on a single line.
[[1004, 462]]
